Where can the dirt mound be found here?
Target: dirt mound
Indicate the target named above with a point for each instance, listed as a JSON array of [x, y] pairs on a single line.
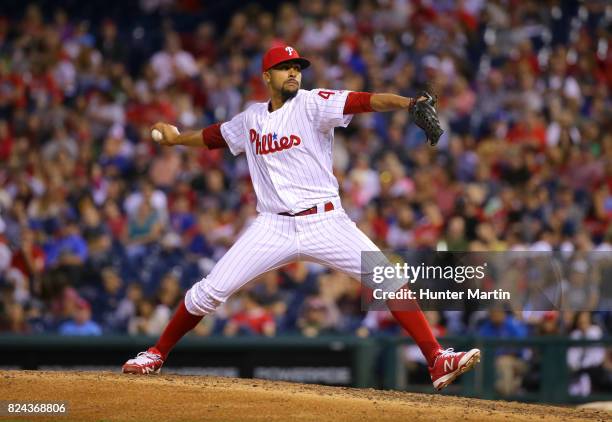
[[96, 396]]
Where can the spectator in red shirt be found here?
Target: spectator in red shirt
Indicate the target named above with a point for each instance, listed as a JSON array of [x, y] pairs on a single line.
[[30, 257], [6, 141], [529, 130], [252, 319]]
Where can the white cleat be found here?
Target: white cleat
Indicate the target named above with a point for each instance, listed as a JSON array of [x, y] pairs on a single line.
[[450, 364], [145, 363]]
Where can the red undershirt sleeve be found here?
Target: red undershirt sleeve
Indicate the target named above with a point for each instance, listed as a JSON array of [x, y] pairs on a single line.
[[358, 102], [212, 137]]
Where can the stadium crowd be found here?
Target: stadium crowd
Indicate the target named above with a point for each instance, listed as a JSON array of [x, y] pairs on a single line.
[[102, 231]]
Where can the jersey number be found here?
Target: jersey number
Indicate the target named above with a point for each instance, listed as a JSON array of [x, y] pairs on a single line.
[[325, 94]]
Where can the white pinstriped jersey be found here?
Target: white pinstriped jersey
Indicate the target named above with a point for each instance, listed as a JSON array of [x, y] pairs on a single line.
[[289, 151]]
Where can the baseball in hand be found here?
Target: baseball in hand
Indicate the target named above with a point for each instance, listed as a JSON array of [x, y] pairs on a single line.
[[157, 135]]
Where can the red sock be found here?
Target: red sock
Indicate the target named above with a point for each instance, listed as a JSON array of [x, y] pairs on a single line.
[[181, 323], [416, 325]]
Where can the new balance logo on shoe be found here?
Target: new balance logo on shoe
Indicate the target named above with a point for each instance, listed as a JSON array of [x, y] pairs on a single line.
[[449, 365], [147, 369]]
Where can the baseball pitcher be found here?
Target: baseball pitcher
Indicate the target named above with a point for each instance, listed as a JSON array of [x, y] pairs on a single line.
[[288, 145]]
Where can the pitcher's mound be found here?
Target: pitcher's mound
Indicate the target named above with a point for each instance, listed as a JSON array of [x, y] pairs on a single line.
[[103, 396]]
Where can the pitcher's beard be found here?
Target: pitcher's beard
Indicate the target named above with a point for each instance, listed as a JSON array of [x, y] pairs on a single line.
[[287, 95]]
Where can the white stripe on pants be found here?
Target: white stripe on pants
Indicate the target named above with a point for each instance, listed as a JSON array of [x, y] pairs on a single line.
[[329, 238]]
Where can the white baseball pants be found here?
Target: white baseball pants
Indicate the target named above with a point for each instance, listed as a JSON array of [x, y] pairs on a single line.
[[329, 238]]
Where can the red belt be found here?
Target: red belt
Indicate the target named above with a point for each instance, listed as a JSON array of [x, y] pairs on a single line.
[[312, 210]]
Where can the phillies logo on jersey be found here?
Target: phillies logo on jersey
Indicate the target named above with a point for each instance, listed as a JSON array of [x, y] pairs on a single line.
[[270, 142]]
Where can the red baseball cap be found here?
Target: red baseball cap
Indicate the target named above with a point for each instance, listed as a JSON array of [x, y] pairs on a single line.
[[277, 55]]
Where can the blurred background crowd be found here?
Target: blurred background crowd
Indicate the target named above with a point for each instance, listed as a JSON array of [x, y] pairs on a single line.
[[102, 231]]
